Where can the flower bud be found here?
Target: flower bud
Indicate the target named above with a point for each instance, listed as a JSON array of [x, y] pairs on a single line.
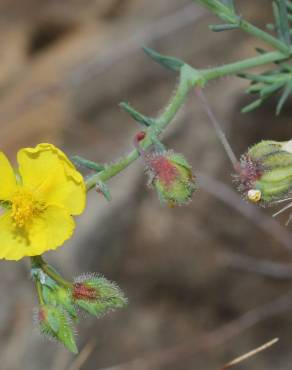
[[171, 175], [265, 172], [59, 296], [54, 323], [97, 295]]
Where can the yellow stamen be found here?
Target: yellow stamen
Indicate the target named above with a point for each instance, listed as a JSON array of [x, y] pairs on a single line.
[[25, 207], [254, 195]]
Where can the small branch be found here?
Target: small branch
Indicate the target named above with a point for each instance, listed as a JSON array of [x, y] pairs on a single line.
[[217, 128], [83, 356], [189, 78], [262, 267], [250, 354]]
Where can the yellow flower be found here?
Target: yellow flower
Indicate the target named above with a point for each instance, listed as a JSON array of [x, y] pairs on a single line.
[[38, 201]]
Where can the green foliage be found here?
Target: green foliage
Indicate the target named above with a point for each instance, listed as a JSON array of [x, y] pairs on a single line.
[[170, 63], [265, 172], [54, 323], [144, 120], [60, 299]]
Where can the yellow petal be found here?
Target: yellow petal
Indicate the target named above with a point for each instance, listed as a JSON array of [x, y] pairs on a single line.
[[8, 179], [13, 242], [47, 171], [48, 231]]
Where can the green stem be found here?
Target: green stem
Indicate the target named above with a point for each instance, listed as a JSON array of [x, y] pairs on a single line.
[[189, 78], [227, 15], [185, 84], [39, 262], [39, 292], [262, 35], [232, 68]]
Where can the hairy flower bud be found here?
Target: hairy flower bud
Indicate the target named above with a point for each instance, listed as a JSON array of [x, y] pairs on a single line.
[[96, 295], [265, 173], [54, 323], [56, 295], [171, 175]]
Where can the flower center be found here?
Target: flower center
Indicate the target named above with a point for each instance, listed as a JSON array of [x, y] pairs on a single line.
[[25, 207]]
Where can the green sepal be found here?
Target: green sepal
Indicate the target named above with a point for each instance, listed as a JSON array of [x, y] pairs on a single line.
[[57, 325], [180, 160], [170, 63], [264, 148], [66, 336], [145, 121], [274, 164], [55, 295], [54, 321]]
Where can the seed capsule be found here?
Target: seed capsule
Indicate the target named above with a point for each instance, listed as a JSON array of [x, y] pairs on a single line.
[[265, 172]]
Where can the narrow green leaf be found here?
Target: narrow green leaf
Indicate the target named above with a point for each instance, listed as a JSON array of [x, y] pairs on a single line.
[[257, 78], [250, 107], [281, 20], [229, 3], [286, 92], [284, 22], [289, 5], [87, 163], [104, 189], [144, 120], [268, 90], [223, 27], [170, 63]]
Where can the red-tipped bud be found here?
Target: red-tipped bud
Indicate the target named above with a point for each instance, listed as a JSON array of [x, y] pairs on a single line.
[[172, 177], [84, 291], [96, 295]]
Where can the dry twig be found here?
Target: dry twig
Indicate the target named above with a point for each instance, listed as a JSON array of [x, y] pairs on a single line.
[[250, 354]]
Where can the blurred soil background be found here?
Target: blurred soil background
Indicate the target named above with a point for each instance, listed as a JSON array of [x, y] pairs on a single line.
[[199, 285]]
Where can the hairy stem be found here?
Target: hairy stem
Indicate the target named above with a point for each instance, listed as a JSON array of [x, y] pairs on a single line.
[[39, 262], [189, 78], [186, 82]]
